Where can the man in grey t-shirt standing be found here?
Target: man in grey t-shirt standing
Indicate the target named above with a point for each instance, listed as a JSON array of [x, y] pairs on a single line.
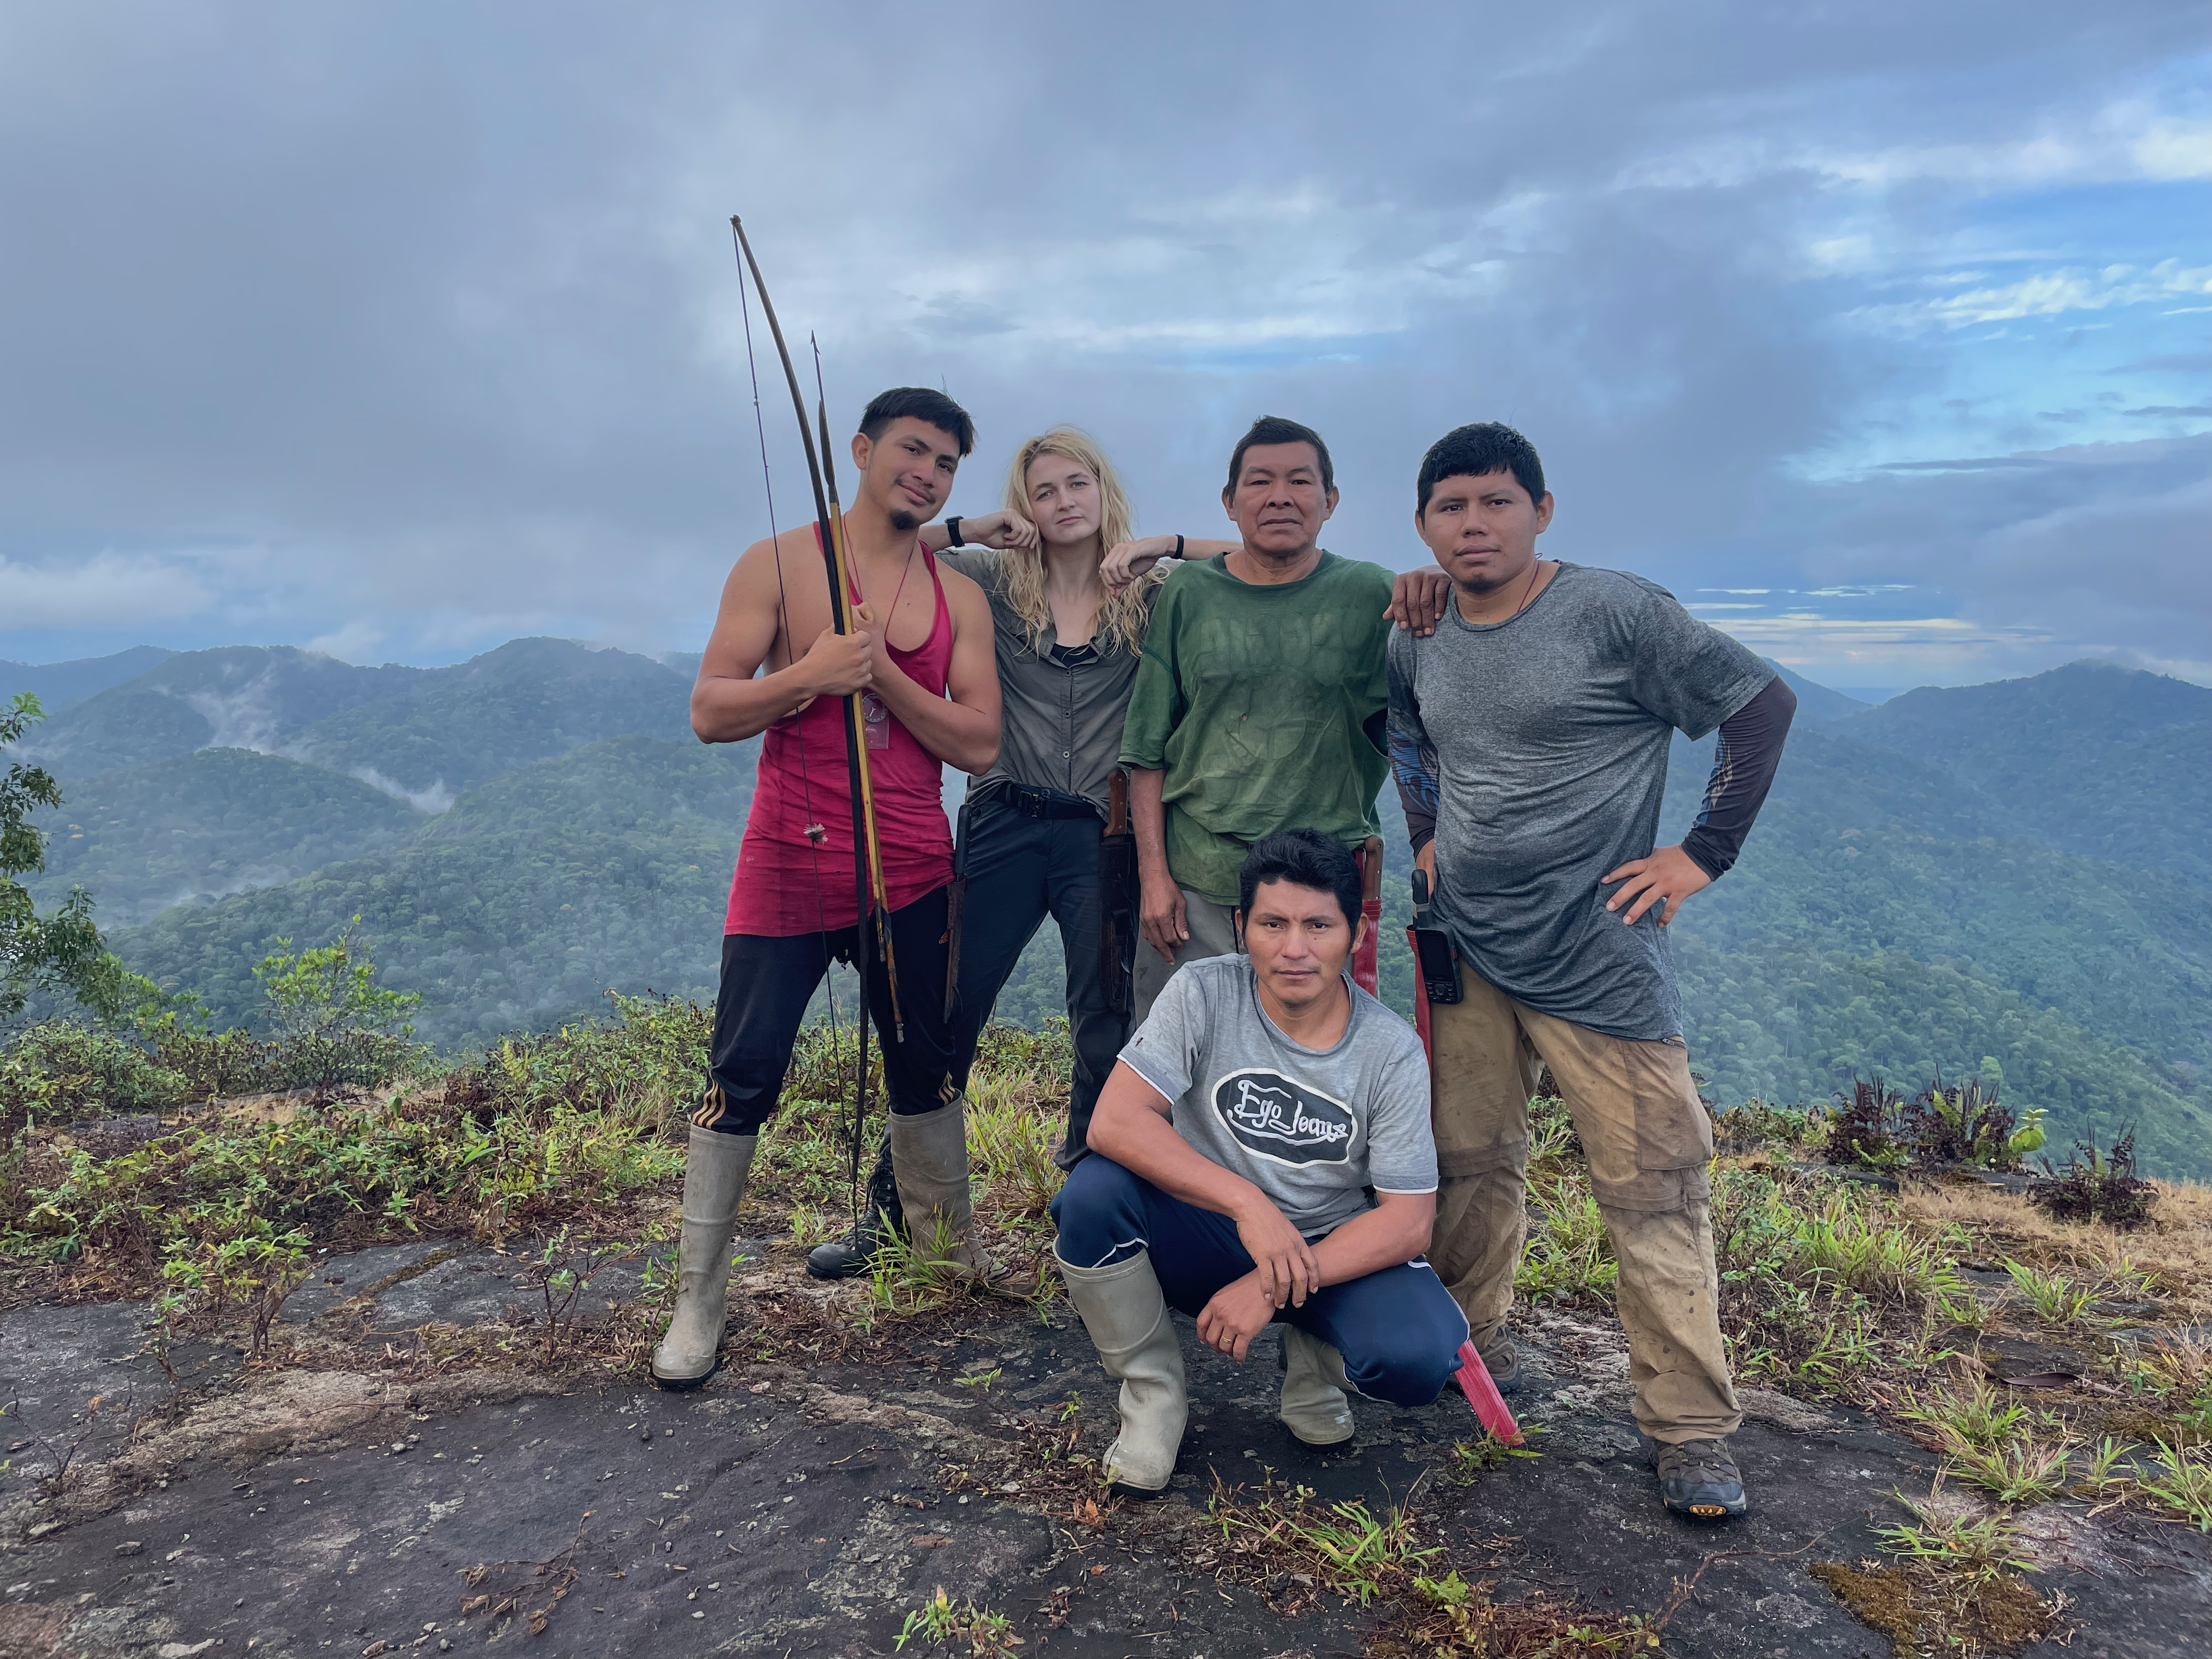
[[1233, 1154], [1530, 738]]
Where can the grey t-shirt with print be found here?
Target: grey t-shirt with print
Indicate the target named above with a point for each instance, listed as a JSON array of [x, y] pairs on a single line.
[[1550, 731], [1313, 1128]]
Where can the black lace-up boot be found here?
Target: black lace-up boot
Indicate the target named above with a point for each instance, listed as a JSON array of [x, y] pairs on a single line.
[[848, 1257]]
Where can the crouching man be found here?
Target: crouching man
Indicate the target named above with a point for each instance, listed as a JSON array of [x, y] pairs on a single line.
[[1235, 1147]]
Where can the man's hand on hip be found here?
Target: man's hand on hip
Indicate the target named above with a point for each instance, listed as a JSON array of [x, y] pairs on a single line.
[[1239, 1312], [1160, 913], [1669, 873]]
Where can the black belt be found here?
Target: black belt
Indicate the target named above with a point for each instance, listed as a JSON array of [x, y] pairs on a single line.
[[1032, 802]]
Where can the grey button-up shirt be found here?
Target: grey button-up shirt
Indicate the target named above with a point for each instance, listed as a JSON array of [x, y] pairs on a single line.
[[1061, 728]]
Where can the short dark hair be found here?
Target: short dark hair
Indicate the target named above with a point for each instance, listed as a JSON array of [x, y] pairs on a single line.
[[1474, 451], [918, 403], [1274, 430], [1304, 858]]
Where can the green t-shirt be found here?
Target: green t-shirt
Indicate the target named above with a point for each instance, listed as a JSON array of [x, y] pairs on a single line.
[[1264, 706]]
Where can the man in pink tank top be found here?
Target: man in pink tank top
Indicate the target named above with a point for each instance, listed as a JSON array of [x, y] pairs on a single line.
[[921, 657]]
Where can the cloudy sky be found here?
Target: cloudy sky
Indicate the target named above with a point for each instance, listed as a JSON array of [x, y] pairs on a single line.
[[1882, 334]]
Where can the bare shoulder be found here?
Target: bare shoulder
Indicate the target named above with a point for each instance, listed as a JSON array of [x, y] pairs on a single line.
[[963, 596], [801, 543], [764, 570]]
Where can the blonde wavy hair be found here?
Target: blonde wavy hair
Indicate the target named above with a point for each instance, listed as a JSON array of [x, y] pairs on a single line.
[[1121, 618]]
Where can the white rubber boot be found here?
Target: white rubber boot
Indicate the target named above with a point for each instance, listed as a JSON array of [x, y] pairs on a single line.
[[1127, 1319], [714, 1186], [1313, 1383], [929, 1160]]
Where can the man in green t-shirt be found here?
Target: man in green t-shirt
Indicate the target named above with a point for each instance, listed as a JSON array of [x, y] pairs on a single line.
[[1259, 703]]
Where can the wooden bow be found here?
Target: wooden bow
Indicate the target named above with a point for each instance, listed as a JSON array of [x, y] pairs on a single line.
[[868, 866]]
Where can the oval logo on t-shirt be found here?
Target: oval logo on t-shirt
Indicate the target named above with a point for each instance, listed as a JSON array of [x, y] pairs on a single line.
[[1283, 1121]]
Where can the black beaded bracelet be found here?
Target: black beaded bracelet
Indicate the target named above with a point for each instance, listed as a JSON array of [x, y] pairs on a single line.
[[952, 529]]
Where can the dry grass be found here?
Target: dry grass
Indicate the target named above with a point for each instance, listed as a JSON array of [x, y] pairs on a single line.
[[2176, 1246]]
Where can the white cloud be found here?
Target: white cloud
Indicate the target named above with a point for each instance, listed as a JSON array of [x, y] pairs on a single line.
[[435, 799], [2127, 140], [2046, 293], [108, 589], [356, 641]]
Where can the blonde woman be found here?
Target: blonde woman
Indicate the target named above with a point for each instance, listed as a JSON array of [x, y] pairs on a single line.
[[1029, 832]]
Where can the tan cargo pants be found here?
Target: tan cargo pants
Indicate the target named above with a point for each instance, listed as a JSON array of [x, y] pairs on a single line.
[[1212, 930], [1648, 1140]]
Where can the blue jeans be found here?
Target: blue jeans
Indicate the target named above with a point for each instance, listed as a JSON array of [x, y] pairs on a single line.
[[1398, 1329]]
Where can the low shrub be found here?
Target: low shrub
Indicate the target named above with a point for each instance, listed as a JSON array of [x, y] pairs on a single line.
[[59, 1069], [2097, 1185], [1867, 1127]]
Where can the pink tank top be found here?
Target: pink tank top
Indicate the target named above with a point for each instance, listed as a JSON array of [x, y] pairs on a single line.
[[786, 883]]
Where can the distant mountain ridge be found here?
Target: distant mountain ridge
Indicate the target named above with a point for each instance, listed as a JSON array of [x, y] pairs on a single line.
[[419, 734], [58, 684], [2101, 760], [2013, 871], [604, 867]]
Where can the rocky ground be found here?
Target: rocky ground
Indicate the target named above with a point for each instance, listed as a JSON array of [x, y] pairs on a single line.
[[401, 1483]]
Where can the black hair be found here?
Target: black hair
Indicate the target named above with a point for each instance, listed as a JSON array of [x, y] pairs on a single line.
[[1304, 858], [920, 404], [1474, 451], [1274, 430]]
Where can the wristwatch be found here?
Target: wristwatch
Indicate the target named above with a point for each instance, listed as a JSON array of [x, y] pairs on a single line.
[[952, 529]]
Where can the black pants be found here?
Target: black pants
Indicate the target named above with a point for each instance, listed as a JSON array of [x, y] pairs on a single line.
[[1019, 869], [766, 985]]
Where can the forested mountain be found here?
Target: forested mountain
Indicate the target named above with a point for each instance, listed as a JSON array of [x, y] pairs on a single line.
[[2011, 871], [58, 684], [526, 702], [1888, 916], [2098, 759], [140, 838], [604, 867], [245, 696]]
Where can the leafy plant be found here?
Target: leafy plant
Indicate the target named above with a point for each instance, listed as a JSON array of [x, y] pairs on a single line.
[[1973, 1415], [1470, 1458], [938, 1621], [334, 1024], [1569, 1253], [1760, 1123], [1979, 1546], [252, 1272], [1357, 1554], [561, 1271], [2012, 1471], [2097, 1185], [2101, 1477], [2185, 1487], [1867, 1127], [60, 1068], [1960, 1126], [63, 950], [2056, 1300]]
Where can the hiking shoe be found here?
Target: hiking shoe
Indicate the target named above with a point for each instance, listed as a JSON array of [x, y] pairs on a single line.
[[1698, 1479], [854, 1255], [1502, 1361]]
